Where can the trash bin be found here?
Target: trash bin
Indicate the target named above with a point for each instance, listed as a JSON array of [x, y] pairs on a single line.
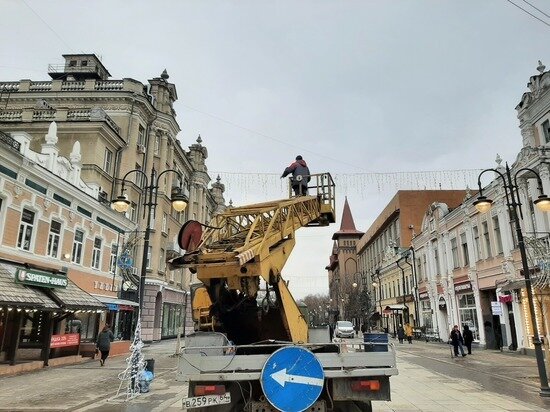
[[375, 342], [150, 365]]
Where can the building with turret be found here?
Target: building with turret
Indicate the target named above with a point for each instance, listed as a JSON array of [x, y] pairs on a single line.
[[128, 133]]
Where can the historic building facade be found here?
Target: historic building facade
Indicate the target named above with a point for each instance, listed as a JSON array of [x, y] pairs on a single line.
[[125, 129], [384, 257], [52, 220], [470, 262]]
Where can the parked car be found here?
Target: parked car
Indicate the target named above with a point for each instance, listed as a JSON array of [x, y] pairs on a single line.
[[344, 329]]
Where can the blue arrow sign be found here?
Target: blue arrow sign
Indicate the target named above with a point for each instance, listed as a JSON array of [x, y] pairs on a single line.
[[125, 261], [292, 379]]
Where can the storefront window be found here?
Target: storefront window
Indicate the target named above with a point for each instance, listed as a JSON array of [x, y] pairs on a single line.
[[427, 315], [85, 323], [171, 319], [33, 327], [468, 313]]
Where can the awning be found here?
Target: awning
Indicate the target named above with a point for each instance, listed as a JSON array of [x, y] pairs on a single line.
[[109, 300], [74, 298], [395, 307], [513, 285], [17, 294]]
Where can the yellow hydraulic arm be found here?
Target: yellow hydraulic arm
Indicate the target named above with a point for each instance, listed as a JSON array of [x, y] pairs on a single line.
[[247, 243]]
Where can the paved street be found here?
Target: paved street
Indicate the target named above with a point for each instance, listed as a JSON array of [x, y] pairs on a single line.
[[429, 380]]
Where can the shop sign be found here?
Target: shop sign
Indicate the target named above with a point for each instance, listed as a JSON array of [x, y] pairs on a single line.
[[423, 295], [112, 307], [39, 278], [127, 308], [496, 308], [68, 339], [463, 287], [505, 298]]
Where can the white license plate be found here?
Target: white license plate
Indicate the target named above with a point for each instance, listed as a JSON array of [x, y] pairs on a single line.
[[206, 400]]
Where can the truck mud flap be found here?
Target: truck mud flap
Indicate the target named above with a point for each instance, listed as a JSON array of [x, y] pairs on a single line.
[[256, 406]]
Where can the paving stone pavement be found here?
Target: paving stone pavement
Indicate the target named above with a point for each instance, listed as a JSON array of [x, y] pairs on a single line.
[[89, 387]]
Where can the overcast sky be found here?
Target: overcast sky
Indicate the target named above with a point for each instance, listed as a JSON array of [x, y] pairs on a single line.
[[353, 86]]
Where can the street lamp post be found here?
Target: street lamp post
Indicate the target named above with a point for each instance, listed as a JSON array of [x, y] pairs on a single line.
[[378, 285], [405, 307], [483, 204], [121, 203]]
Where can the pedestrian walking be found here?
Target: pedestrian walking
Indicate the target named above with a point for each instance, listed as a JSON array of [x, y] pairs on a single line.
[[400, 333], [300, 176], [468, 338], [457, 341], [409, 332], [103, 343]]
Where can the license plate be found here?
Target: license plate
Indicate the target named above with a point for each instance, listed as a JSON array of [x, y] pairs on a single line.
[[206, 400]]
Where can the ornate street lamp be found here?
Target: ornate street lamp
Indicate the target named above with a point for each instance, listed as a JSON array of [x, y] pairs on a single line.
[[483, 204], [121, 204]]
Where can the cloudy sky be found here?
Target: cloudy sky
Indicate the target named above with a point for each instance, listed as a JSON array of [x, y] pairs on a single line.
[[361, 89]]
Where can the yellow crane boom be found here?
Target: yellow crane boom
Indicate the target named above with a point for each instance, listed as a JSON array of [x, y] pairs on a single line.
[[249, 243]]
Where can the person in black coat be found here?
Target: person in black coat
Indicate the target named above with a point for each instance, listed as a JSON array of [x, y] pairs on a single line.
[[400, 333], [103, 343], [468, 338], [457, 341]]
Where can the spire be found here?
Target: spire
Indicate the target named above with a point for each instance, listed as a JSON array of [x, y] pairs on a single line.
[[347, 224]]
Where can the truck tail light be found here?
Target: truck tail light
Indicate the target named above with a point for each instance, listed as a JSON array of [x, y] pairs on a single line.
[[365, 385], [201, 390]]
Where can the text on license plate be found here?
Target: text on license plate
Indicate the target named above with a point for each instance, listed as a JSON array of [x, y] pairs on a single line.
[[206, 400]]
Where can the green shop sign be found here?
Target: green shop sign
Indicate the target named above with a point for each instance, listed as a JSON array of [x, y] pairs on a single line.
[[38, 278]]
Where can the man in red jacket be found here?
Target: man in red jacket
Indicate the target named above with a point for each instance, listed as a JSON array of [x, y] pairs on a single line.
[[300, 176]]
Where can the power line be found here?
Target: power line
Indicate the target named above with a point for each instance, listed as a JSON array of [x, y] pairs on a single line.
[[537, 9], [270, 137], [49, 27], [530, 14]]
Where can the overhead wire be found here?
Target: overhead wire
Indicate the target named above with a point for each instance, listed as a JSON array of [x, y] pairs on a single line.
[[48, 26], [530, 14], [536, 8]]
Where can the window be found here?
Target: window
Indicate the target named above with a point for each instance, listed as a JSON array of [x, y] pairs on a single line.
[[436, 257], [141, 136], [108, 161], [149, 253], [72, 63], [477, 245], [131, 212], [53, 239], [464, 245], [96, 254], [25, 230], [454, 249], [546, 131], [486, 240], [498, 236], [139, 176], [164, 222], [112, 260], [162, 261], [84, 63], [77, 247], [157, 144]]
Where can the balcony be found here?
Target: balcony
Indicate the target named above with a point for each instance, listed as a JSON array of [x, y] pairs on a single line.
[[7, 140]]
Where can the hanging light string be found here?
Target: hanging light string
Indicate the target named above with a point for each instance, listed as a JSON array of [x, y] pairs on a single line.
[[269, 185]]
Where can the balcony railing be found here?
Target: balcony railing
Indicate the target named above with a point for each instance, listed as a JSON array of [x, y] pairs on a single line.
[[10, 142]]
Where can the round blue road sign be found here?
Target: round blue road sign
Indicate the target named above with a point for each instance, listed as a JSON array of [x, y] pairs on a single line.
[[292, 379]]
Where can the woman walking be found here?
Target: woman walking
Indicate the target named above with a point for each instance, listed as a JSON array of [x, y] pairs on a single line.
[[103, 343], [400, 333]]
